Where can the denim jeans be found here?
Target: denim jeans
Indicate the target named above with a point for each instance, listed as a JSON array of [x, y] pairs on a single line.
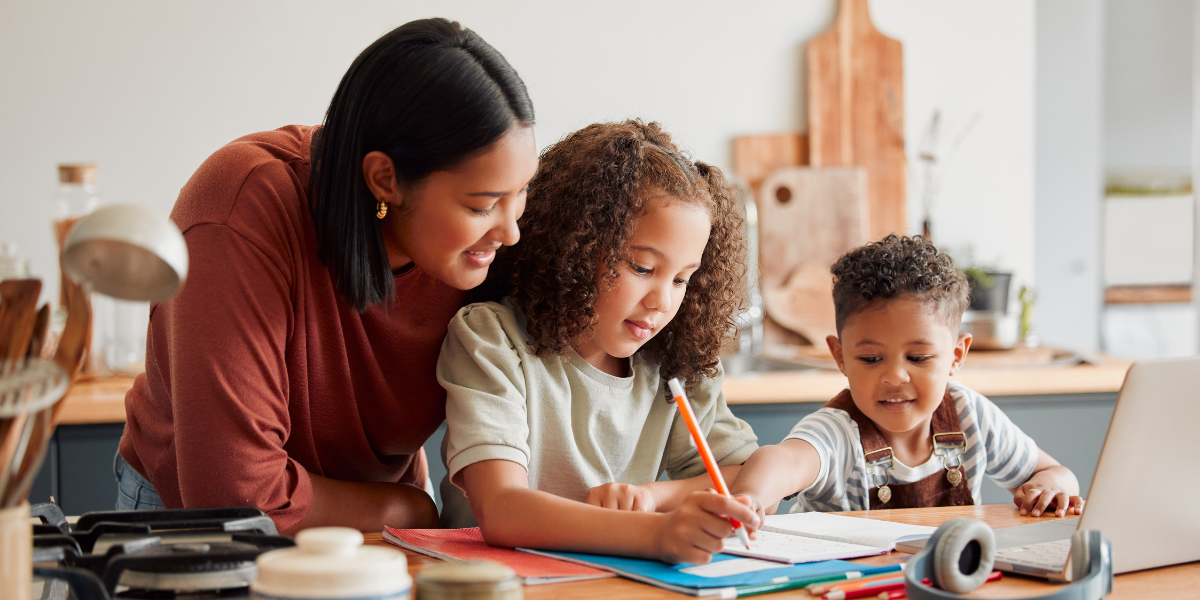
[[134, 492]]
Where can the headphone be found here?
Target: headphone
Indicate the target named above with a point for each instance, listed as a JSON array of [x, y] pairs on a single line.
[[959, 557]]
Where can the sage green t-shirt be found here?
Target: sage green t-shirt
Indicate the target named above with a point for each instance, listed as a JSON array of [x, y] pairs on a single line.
[[572, 426]]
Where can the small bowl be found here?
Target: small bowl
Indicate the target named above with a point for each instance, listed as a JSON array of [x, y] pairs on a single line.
[[991, 330]]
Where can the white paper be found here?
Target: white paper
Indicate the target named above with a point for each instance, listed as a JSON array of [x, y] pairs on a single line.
[[856, 530], [725, 568], [797, 549]]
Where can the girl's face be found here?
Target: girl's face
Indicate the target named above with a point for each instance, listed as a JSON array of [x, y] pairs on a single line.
[[453, 221], [667, 245]]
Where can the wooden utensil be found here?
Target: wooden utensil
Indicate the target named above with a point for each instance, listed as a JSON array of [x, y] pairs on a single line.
[[40, 327], [856, 110], [807, 218], [18, 316], [28, 391]]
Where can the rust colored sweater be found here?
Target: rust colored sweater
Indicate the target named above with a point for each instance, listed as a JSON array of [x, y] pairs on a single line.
[[257, 373]]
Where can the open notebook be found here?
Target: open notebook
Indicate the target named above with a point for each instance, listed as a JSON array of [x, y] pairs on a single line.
[[809, 537]]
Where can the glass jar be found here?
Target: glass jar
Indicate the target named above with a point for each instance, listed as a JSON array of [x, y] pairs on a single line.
[[118, 326], [12, 265]]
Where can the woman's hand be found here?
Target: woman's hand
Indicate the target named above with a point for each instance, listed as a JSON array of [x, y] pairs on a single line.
[[696, 530], [622, 496]]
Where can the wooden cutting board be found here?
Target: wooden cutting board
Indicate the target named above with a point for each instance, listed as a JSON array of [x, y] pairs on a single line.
[[807, 218], [757, 156], [856, 110]]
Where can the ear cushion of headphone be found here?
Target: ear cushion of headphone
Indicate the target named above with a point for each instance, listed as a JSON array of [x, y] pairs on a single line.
[[963, 544], [1080, 555]]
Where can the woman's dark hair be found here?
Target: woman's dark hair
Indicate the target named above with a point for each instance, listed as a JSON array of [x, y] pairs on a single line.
[[580, 215], [430, 94], [894, 267]]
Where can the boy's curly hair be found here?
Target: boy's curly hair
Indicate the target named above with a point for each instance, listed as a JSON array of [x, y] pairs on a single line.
[[580, 213], [896, 266]]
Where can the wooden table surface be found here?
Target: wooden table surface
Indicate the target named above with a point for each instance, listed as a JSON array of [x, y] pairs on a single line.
[[103, 400], [1181, 581]]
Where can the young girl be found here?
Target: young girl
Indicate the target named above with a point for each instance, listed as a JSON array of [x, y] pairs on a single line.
[[629, 273]]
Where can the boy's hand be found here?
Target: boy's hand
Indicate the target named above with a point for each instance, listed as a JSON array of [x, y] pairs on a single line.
[[1038, 494], [622, 496], [751, 501], [698, 528]]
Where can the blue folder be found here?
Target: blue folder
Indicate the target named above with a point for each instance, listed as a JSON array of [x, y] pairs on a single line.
[[672, 577]]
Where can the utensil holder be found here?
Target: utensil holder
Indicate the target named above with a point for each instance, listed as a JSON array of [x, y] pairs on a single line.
[[16, 546]]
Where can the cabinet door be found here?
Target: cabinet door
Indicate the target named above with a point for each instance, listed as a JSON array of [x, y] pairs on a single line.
[[85, 467]]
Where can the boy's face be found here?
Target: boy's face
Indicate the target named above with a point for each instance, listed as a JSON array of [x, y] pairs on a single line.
[[898, 355]]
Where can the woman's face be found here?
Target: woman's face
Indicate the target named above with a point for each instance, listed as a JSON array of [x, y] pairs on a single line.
[[665, 250], [453, 221]]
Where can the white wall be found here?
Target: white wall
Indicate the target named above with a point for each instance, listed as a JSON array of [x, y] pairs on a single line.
[[148, 89], [1070, 173], [1148, 91]]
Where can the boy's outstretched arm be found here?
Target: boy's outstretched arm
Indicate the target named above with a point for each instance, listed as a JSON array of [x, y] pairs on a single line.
[[511, 515], [773, 472], [1050, 485]]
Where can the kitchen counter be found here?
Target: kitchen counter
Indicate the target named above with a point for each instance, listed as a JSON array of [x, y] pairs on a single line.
[[103, 400]]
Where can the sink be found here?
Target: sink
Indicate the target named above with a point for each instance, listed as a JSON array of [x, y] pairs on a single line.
[[746, 364]]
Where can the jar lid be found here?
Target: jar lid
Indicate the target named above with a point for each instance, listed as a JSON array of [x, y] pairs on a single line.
[[465, 572], [331, 562], [84, 173]]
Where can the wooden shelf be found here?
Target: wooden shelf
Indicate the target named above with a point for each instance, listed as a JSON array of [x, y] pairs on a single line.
[[1147, 294]]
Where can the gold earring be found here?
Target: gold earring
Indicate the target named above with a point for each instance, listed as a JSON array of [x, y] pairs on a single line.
[[381, 210]]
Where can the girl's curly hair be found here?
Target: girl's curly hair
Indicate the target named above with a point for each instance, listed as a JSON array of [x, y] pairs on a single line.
[[895, 266], [580, 213]]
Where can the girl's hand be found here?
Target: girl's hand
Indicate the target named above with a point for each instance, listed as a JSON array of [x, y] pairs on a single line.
[[1038, 494], [698, 528], [622, 496]]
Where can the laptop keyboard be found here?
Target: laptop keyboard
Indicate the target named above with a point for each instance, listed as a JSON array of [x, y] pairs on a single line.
[[1047, 555]]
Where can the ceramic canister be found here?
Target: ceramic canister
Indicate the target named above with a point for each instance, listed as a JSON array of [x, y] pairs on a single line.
[[330, 563], [472, 580]]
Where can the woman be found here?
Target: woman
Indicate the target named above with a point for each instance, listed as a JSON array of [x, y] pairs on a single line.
[[295, 371]]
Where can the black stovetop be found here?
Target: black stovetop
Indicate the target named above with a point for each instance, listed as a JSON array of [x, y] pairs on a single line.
[[174, 554]]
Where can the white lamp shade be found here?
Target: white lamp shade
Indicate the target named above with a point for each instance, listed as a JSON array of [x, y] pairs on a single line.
[[127, 252]]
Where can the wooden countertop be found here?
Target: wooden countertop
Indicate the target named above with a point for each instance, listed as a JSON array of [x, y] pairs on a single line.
[[1105, 375], [1181, 581], [103, 400]]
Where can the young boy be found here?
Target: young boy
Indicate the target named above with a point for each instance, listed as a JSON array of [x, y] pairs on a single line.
[[902, 435]]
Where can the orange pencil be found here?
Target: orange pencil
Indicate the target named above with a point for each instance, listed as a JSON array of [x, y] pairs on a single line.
[[714, 471]]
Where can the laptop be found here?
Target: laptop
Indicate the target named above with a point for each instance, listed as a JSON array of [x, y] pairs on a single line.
[[1145, 497]]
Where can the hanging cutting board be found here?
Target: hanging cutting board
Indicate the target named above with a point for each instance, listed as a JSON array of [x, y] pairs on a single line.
[[757, 156], [807, 218], [856, 110]]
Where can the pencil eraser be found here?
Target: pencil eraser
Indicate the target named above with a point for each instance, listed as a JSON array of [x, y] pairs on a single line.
[[675, 387]]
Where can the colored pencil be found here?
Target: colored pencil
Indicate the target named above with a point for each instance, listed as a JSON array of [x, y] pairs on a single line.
[[710, 464], [846, 585]]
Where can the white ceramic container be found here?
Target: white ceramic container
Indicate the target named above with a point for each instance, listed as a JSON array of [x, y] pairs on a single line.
[[330, 563]]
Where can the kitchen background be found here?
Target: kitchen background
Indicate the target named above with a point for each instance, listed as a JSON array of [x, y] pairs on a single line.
[[1058, 94], [1042, 103]]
